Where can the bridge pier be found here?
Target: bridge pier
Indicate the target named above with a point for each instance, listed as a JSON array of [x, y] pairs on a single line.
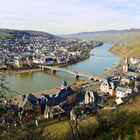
[[91, 78], [77, 76], [54, 71], [42, 67]]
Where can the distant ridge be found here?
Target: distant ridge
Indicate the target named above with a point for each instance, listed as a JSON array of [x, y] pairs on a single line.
[[107, 35], [30, 32], [105, 31]]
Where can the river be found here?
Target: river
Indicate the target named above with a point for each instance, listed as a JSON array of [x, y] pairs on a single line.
[[99, 59]]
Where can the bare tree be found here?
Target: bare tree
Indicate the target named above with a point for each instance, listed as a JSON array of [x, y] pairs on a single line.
[[5, 91]]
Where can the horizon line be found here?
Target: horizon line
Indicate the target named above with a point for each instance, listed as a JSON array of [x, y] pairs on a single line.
[[124, 29]]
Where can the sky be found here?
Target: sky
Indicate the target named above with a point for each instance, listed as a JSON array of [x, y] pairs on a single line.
[[69, 16]]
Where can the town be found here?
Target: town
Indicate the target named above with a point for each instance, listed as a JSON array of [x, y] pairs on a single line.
[[115, 90], [69, 70], [28, 49]]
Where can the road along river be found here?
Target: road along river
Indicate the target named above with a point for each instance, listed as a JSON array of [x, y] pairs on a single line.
[[99, 60]]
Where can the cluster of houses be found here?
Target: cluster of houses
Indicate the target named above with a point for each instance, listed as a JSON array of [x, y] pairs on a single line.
[[24, 49], [47, 105], [120, 87], [77, 104], [124, 85], [50, 106]]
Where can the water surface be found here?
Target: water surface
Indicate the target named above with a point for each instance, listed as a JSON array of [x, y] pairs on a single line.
[[36, 81]]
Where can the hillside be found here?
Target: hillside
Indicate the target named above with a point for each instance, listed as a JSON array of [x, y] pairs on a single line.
[[128, 129], [108, 36], [130, 49], [126, 42], [4, 33]]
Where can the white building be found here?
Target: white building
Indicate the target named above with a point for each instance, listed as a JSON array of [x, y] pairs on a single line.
[[47, 61], [91, 97], [122, 92], [108, 86], [119, 101], [36, 60], [134, 61], [105, 86]]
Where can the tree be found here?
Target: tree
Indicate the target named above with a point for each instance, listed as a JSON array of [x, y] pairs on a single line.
[[5, 91], [111, 102]]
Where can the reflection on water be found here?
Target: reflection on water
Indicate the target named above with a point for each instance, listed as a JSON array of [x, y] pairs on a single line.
[[97, 62], [32, 82]]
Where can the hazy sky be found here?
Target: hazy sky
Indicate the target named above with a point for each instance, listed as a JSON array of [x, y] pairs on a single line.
[[69, 16]]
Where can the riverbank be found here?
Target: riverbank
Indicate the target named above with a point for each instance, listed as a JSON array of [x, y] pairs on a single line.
[[41, 80], [18, 99], [20, 71], [80, 82], [16, 71], [12, 72]]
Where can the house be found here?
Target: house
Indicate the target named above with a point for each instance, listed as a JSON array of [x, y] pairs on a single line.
[[108, 86], [65, 92], [76, 54], [134, 75], [105, 86], [30, 61], [134, 61], [122, 92], [64, 49], [120, 101], [127, 80], [57, 98], [53, 112], [62, 60], [23, 61], [30, 102], [137, 86], [77, 113], [47, 61], [36, 60], [91, 97], [19, 61], [60, 96]]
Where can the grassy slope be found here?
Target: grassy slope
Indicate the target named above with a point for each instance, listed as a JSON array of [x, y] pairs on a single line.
[[108, 36], [131, 127], [131, 49], [60, 130]]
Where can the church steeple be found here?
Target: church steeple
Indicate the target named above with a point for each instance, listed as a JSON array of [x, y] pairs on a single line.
[[64, 85], [126, 61], [126, 66]]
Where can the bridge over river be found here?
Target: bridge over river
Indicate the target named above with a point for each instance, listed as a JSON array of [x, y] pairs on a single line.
[[77, 74]]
